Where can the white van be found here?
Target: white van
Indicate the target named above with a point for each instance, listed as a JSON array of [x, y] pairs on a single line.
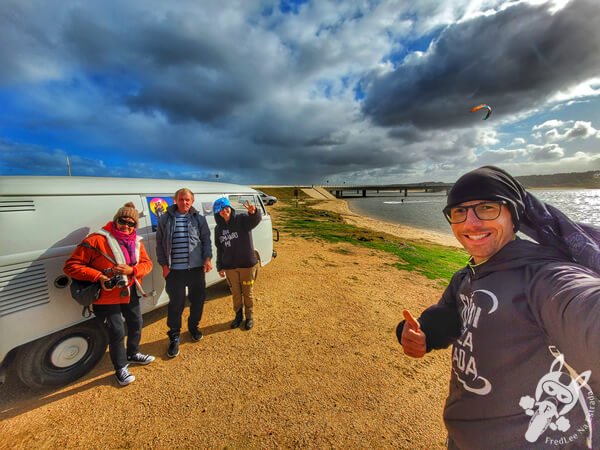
[[42, 219]]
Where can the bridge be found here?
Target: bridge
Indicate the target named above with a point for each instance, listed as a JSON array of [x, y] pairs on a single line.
[[338, 190]]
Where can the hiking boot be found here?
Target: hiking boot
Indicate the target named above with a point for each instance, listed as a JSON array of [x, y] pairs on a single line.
[[249, 323], [238, 319], [140, 358], [196, 335], [173, 350], [124, 377]]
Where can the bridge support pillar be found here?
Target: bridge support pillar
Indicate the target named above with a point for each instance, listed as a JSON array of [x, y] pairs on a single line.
[[364, 193], [406, 192]]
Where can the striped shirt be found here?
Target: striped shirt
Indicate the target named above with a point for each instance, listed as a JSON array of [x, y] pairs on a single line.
[[180, 248]]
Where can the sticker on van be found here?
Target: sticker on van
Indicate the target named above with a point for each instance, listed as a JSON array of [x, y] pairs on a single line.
[[158, 206]]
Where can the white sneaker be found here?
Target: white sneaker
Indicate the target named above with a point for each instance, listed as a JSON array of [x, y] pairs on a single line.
[[124, 377], [140, 358]]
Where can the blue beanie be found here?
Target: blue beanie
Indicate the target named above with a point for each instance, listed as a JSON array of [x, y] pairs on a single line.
[[220, 204]]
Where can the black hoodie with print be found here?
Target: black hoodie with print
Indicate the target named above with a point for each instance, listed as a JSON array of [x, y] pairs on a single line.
[[233, 239], [526, 356]]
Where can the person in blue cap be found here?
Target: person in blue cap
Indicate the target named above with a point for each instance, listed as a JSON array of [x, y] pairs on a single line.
[[236, 257]]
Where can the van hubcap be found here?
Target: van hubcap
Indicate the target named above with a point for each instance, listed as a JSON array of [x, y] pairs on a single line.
[[69, 352]]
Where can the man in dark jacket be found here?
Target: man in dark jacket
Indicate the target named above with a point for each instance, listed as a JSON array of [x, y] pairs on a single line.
[[184, 250], [522, 318], [236, 257]]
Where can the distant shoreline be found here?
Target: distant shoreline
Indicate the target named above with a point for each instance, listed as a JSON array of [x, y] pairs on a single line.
[[341, 207]]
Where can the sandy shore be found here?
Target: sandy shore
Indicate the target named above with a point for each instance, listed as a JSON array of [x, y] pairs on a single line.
[[341, 207], [321, 369]]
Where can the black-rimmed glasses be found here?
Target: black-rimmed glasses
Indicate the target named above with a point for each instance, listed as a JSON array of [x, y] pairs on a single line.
[[484, 211]]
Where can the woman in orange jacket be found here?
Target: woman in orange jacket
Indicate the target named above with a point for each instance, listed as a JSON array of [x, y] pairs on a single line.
[[117, 239]]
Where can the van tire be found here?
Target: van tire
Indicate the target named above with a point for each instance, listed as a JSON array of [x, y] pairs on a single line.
[[62, 357]]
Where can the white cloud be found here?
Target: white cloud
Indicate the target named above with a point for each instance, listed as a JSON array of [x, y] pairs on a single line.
[[559, 131], [548, 152], [501, 156], [548, 124], [587, 88]]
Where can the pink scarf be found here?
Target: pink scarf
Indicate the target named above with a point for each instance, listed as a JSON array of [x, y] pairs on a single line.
[[126, 242]]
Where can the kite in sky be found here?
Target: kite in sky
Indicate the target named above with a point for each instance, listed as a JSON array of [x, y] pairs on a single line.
[[482, 106]]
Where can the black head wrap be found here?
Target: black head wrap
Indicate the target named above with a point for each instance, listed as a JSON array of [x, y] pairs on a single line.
[[489, 183], [542, 222]]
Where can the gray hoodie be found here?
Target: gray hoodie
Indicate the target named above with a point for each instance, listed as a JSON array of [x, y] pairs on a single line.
[[525, 331]]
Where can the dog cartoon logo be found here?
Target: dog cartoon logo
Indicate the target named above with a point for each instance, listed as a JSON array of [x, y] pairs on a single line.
[[556, 394]]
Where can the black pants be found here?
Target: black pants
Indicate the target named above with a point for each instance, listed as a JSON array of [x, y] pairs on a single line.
[[176, 282], [110, 316]]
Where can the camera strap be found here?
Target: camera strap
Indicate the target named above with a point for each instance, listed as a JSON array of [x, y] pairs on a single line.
[[111, 259], [91, 247]]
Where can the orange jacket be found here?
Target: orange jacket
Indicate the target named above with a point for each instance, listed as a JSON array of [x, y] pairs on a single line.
[[87, 264]]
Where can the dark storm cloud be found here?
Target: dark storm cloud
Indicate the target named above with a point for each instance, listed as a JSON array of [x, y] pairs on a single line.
[[203, 100], [327, 140], [185, 75], [511, 60], [407, 133], [26, 47], [25, 159]]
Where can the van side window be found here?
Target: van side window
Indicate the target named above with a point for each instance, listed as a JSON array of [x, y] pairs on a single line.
[[237, 201], [259, 205], [206, 209]]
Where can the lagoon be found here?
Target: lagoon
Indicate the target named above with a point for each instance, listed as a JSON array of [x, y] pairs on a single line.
[[424, 210]]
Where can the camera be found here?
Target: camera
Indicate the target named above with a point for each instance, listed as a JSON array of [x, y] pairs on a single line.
[[116, 281]]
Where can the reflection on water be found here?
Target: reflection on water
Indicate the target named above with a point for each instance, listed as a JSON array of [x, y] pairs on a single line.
[[579, 205], [425, 210]]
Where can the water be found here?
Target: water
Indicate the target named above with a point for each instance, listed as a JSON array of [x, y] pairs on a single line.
[[424, 210]]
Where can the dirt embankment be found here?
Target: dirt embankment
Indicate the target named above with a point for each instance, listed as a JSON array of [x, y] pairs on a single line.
[[321, 368]]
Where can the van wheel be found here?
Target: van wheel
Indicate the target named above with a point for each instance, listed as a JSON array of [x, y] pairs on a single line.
[[61, 357]]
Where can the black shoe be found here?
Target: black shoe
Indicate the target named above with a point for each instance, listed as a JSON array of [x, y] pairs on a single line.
[[249, 323], [173, 350], [196, 335], [238, 319]]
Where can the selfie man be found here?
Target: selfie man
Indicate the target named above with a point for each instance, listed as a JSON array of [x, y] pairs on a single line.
[[522, 319]]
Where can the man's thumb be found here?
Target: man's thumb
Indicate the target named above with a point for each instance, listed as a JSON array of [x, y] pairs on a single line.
[[410, 320]]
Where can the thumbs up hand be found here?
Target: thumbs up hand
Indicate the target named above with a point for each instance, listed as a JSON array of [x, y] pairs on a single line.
[[413, 339]]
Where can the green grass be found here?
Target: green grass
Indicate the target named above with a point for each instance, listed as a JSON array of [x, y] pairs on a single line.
[[283, 193], [436, 262]]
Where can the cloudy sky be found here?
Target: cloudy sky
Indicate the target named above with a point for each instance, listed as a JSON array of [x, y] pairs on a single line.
[[267, 92]]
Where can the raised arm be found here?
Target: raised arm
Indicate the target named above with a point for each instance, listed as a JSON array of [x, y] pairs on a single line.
[[565, 299]]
